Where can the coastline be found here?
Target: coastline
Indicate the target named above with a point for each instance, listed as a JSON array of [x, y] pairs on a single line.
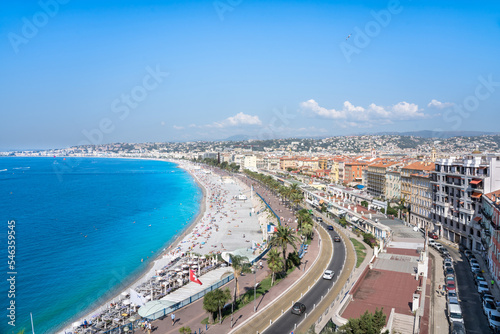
[[134, 281]]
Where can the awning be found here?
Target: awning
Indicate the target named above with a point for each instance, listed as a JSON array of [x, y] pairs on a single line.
[[476, 195], [478, 219], [461, 202], [476, 181]]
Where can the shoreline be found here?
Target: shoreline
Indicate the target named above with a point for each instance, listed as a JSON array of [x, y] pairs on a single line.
[[161, 254]]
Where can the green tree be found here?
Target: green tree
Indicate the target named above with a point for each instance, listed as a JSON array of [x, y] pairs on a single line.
[[185, 330], [368, 323], [364, 203], [274, 262], [213, 302], [282, 238]]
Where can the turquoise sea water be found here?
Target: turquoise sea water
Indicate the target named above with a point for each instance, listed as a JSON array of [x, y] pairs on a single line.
[[82, 227]]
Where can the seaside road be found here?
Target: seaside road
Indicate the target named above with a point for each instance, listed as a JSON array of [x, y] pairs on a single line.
[[283, 303], [348, 268], [317, 295]]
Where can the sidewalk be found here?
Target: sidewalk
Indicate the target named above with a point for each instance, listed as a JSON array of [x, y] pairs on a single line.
[[439, 322]]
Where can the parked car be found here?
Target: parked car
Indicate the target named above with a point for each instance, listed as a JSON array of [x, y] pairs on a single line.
[[319, 219], [450, 278], [452, 301], [432, 235], [444, 252], [328, 274], [494, 319], [488, 306], [486, 294], [432, 243], [298, 308], [336, 238], [457, 328], [482, 286], [451, 294], [455, 313], [449, 271], [473, 261], [438, 247], [478, 277], [447, 265], [475, 268], [450, 286]]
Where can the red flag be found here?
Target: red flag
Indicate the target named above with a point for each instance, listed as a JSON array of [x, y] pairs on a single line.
[[193, 278]]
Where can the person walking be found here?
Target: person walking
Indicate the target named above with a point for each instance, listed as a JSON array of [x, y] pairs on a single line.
[[149, 328], [172, 316], [439, 289]]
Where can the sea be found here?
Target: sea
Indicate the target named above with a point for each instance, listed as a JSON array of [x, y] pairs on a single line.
[[85, 228]]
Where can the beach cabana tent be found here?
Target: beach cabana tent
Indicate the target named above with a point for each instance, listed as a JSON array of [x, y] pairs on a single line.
[[152, 307]]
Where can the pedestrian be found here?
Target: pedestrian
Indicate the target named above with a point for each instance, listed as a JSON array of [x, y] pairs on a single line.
[[260, 265], [492, 283], [439, 289], [172, 316], [149, 328]]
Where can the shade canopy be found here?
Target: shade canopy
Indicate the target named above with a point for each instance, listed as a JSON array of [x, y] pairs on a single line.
[[150, 308]]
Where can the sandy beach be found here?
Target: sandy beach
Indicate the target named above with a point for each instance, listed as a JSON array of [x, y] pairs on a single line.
[[226, 221]]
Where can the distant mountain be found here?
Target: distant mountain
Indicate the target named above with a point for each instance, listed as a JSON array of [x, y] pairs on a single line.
[[237, 138], [437, 134]]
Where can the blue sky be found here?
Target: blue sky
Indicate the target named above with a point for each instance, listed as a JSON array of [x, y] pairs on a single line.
[[76, 72]]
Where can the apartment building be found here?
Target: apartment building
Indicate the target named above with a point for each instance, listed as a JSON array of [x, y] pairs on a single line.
[[406, 177], [288, 162], [375, 177], [421, 200], [490, 236], [458, 185], [393, 184], [353, 171]]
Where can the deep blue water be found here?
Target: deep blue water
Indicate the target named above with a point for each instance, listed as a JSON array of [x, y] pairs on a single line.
[[76, 240]]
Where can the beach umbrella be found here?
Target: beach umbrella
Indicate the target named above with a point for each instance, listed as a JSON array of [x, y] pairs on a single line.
[[126, 302], [76, 324]]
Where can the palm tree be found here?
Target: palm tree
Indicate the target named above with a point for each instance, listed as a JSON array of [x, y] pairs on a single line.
[[240, 266], [274, 262], [282, 238], [214, 301], [307, 229]]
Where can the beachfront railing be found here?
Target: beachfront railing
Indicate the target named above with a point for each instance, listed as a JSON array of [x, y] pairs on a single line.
[[174, 307], [262, 198]]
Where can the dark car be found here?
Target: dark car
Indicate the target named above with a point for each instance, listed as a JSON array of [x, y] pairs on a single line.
[[336, 238], [330, 227], [298, 308], [457, 328], [449, 271], [319, 219]]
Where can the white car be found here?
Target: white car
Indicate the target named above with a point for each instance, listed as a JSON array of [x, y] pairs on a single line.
[[328, 274], [475, 268], [482, 286], [494, 319]]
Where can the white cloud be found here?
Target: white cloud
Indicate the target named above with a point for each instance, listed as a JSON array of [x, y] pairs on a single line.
[[358, 116], [242, 119], [440, 105]]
